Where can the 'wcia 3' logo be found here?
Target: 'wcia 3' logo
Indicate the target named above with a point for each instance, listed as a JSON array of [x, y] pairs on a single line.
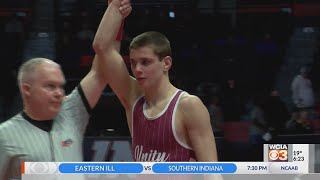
[[278, 152]]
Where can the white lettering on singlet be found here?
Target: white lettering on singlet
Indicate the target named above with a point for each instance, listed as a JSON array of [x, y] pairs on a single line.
[[152, 156]]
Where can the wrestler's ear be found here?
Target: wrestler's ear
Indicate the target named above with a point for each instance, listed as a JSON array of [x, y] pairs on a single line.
[[167, 63]]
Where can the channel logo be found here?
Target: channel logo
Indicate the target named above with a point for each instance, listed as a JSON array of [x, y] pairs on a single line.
[[278, 152], [41, 168]]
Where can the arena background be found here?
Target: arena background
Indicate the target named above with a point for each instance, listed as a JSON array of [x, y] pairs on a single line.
[[214, 41]]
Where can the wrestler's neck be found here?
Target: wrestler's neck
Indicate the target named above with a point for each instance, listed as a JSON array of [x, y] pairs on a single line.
[[159, 93]]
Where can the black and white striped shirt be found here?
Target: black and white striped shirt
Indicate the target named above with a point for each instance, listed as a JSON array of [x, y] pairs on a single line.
[[22, 141]]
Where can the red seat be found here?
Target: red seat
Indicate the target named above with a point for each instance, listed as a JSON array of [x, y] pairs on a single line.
[[10, 11], [236, 131], [86, 61], [315, 125]]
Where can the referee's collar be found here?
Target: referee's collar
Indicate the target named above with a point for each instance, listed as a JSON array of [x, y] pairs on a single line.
[[44, 125]]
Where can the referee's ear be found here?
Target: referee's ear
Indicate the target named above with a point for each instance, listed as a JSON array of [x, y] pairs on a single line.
[[25, 88]]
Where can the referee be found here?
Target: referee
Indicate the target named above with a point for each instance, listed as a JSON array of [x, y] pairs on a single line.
[[51, 125]]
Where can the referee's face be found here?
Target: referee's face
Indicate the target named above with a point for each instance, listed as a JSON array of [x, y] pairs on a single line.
[[46, 91]]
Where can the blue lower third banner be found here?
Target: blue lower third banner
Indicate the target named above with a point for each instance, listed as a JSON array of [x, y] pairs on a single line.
[[101, 168], [194, 168], [164, 168], [127, 168]]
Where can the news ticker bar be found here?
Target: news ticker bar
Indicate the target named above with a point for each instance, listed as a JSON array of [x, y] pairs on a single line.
[[164, 168]]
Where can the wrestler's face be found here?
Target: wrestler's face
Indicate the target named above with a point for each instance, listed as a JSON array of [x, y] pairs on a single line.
[[146, 66]]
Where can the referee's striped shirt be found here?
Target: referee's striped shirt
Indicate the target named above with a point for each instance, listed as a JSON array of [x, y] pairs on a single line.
[[22, 141]]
